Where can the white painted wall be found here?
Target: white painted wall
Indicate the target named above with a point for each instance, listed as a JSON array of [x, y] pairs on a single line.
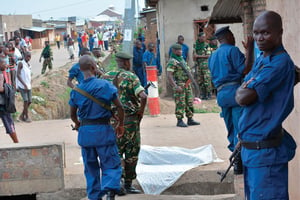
[[175, 18], [289, 11]]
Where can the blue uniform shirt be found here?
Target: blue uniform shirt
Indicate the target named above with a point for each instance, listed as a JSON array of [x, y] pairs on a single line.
[[149, 58], [226, 64], [272, 77], [185, 51], [137, 60], [75, 72], [94, 135]]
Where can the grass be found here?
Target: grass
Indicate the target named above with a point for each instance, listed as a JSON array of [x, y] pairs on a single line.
[[215, 109], [15, 115], [45, 84], [112, 64], [65, 95]]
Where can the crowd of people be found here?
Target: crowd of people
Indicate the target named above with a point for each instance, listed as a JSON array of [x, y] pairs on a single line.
[[99, 38], [15, 76]]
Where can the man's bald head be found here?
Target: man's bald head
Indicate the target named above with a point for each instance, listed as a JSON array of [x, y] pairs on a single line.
[[271, 17], [267, 31], [87, 63]]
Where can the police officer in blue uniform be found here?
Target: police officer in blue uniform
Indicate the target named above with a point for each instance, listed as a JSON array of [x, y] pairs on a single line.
[[184, 47], [228, 66], [96, 136], [267, 98]]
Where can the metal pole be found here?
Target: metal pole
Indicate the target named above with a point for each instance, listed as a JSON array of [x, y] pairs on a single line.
[[129, 26]]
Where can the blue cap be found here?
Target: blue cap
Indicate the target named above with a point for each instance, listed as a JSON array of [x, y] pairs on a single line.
[[222, 31]]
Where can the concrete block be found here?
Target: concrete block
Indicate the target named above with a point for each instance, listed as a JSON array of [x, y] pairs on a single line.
[[28, 169]]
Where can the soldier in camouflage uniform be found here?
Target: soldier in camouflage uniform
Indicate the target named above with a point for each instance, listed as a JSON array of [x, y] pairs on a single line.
[[48, 57], [202, 71], [180, 81], [133, 98]]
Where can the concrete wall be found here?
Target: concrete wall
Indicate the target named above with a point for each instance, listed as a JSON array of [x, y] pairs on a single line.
[[289, 10], [31, 169], [176, 17], [237, 30], [10, 23]]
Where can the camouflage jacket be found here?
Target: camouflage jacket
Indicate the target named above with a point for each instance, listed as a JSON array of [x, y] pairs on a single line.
[[179, 74], [129, 87]]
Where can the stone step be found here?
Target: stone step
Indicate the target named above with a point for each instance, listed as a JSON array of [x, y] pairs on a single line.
[[74, 194], [202, 180], [177, 197]]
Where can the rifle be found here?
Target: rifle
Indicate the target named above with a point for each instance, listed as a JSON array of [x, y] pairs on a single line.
[[149, 84], [233, 157], [188, 73]]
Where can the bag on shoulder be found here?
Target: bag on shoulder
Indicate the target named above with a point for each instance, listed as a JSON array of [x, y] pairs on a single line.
[[9, 96]]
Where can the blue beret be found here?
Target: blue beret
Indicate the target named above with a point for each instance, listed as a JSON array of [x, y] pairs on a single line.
[[222, 31]]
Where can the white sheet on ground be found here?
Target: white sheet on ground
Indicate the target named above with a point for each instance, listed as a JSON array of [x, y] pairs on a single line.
[[160, 167]]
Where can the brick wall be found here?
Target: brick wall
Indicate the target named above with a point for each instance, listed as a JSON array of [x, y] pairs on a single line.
[[31, 169], [251, 9]]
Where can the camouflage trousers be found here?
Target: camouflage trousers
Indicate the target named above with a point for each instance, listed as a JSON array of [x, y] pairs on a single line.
[[204, 79], [129, 146], [47, 62], [184, 102]]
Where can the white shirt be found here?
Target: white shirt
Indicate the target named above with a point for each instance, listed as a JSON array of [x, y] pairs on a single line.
[[18, 54], [25, 75], [106, 36]]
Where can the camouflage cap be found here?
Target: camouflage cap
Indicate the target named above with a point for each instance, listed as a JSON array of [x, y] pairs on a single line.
[[123, 55], [212, 38], [176, 46]]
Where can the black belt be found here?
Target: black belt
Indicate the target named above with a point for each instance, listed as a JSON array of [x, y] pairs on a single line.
[[264, 144], [99, 121]]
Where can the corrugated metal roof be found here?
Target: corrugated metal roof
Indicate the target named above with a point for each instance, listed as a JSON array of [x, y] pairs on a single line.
[[151, 3], [36, 29], [226, 11]]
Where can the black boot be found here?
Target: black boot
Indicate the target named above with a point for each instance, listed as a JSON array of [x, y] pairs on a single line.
[[130, 189], [238, 165], [192, 122], [122, 191], [110, 195], [180, 123]]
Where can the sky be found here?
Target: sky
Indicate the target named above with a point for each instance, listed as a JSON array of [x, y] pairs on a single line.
[[45, 9]]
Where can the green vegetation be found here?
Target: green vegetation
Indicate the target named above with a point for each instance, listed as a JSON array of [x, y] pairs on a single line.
[[45, 84], [215, 109], [15, 115], [65, 95], [112, 64]]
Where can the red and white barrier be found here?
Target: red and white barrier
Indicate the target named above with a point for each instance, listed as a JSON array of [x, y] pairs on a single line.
[[153, 96]]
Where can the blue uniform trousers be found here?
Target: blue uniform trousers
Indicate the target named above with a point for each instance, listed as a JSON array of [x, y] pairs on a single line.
[[141, 73], [231, 117], [110, 166], [266, 183]]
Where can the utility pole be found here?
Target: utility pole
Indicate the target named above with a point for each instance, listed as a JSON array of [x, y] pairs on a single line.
[[129, 26]]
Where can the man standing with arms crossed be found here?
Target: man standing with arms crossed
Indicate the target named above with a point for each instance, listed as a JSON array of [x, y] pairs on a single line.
[[267, 97], [133, 98]]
